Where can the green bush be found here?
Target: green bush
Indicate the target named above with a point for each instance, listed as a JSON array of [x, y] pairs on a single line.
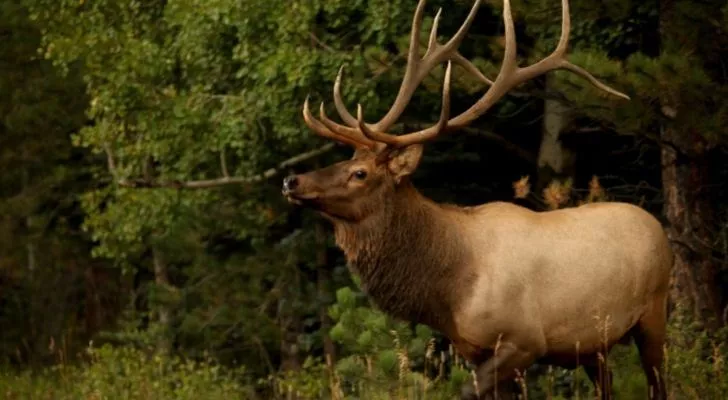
[[127, 373], [380, 358], [695, 360]]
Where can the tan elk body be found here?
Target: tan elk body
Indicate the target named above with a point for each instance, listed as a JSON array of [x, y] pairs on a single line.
[[508, 286]]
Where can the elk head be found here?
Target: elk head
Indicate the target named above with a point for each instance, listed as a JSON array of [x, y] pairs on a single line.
[[351, 190]]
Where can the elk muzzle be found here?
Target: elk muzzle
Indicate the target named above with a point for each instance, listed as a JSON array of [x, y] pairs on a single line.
[[296, 191]]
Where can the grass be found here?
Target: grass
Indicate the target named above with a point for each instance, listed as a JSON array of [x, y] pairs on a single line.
[[126, 373]]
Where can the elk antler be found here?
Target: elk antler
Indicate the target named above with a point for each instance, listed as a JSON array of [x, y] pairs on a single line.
[[416, 71], [331, 130], [509, 76]]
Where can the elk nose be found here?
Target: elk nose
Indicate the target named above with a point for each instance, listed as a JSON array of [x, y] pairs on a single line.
[[290, 183]]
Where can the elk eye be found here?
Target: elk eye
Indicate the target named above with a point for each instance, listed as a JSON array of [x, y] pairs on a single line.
[[360, 174]]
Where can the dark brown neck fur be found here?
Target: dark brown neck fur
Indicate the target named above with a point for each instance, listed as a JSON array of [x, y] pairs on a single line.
[[410, 258]]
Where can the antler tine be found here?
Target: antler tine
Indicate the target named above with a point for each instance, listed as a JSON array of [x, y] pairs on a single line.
[[456, 56], [352, 133], [339, 103], [321, 130], [470, 67], [557, 59], [432, 42], [509, 53], [509, 76]]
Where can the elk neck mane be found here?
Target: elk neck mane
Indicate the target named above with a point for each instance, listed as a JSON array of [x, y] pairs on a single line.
[[410, 256]]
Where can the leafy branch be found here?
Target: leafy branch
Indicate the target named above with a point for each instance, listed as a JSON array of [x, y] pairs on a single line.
[[210, 183]]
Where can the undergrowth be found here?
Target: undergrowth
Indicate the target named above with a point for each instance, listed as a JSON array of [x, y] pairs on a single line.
[[694, 370], [113, 373], [410, 368]]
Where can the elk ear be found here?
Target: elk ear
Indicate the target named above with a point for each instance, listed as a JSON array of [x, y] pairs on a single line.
[[403, 161]]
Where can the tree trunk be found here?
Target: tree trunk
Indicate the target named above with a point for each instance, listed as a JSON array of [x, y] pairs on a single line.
[[554, 160], [289, 342], [689, 212], [290, 351], [92, 307], [290, 326], [30, 245], [324, 288], [685, 179], [161, 278]]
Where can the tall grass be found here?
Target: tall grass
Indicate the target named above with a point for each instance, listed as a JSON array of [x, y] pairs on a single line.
[[694, 370], [126, 373]]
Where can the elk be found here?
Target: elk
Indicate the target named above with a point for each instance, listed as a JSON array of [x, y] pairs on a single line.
[[507, 285]]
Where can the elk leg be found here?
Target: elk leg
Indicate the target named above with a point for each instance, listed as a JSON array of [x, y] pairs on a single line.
[[600, 375], [497, 374], [650, 339]]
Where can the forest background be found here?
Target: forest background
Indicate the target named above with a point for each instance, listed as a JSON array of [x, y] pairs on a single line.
[[146, 250]]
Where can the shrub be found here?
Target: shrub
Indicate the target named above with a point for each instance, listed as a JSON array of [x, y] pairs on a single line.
[[127, 373]]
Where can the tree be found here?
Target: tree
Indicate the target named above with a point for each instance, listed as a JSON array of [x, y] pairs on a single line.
[[669, 67], [692, 129], [49, 287], [184, 96]]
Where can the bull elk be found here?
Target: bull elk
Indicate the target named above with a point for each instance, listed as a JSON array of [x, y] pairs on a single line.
[[507, 285]]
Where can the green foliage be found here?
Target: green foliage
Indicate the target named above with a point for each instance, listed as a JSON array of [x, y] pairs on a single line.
[[361, 328], [694, 367], [191, 90], [667, 82], [128, 373], [696, 359], [365, 330], [48, 281], [383, 357]]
